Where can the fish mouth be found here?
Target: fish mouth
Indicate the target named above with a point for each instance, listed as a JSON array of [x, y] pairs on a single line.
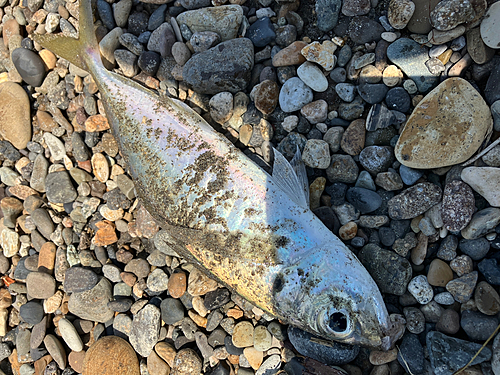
[[393, 331]]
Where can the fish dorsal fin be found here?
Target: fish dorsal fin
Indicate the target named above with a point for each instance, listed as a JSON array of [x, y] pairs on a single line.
[[291, 177]]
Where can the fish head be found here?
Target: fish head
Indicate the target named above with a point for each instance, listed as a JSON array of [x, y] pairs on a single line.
[[330, 294]]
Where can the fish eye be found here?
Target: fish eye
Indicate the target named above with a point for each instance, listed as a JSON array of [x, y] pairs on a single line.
[[338, 322]]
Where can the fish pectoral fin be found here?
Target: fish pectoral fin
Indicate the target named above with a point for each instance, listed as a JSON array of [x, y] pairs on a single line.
[[291, 177]]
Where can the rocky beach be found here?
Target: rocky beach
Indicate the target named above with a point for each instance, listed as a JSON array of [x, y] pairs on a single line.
[[395, 107]]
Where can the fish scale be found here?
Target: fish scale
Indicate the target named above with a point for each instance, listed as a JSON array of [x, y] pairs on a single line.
[[251, 231]]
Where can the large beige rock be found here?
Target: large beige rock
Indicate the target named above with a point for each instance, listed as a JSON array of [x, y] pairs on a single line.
[[486, 181], [446, 128], [15, 124]]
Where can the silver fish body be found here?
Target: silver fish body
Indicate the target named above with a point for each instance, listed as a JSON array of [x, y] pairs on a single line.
[[228, 216]]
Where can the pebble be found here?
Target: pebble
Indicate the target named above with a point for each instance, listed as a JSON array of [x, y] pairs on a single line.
[[376, 159], [411, 354], [40, 285], [364, 30], [261, 32], [442, 350], [411, 57], [322, 54], [342, 168], [400, 12], [458, 205], [266, 96], [56, 350], [70, 335], [463, 287], [476, 249], [372, 93], [461, 265], [110, 43], [487, 299], [346, 91], [414, 201], [484, 180], [449, 322], [29, 65], [31, 312], [92, 304], [328, 14], [224, 20], [364, 200], [199, 284], [243, 334], [172, 310], [439, 273], [294, 94], [391, 272], [312, 76], [489, 27], [420, 289], [449, 14], [108, 354], [481, 223], [145, 330], [78, 279], [490, 270], [223, 62], [121, 11], [14, 110], [186, 362], [478, 326]]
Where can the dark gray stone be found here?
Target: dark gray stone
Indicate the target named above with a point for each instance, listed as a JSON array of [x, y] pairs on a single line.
[[335, 353], [478, 326], [363, 199], [172, 310], [59, 188], [29, 65], [225, 67], [327, 12], [78, 279], [364, 30], [261, 32], [31, 312], [448, 354], [476, 249], [106, 14], [411, 354], [372, 93]]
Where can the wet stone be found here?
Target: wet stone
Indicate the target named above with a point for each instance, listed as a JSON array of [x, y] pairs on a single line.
[[334, 354], [376, 159]]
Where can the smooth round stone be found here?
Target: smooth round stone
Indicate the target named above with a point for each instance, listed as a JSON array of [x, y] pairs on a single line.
[[93, 304], [15, 124], [78, 279], [32, 312], [439, 273], [364, 30], [444, 298], [108, 354], [490, 25], [328, 14], [400, 13], [410, 175], [485, 181], [363, 199], [266, 96], [420, 289], [29, 65], [127, 61], [476, 249], [149, 62], [449, 322], [342, 168], [177, 285], [56, 350], [458, 205], [40, 285], [294, 95], [59, 188], [372, 93], [172, 310], [157, 280], [481, 223], [70, 335], [432, 137], [415, 320], [376, 159], [346, 91], [186, 362], [261, 32], [243, 334], [312, 76], [487, 299], [224, 20], [477, 325], [451, 13], [398, 99]]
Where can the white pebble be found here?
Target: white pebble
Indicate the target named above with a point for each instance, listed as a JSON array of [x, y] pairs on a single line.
[[420, 288]]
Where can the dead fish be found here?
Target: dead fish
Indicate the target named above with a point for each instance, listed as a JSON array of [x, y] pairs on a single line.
[[253, 231]]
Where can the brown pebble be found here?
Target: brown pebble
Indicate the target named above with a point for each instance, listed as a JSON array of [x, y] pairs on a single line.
[[76, 359], [156, 365], [128, 278], [186, 362], [290, 55], [348, 231], [5, 298], [105, 234], [177, 284], [235, 313], [41, 363], [266, 96], [96, 123], [166, 352], [353, 139], [111, 355], [47, 258], [10, 28], [48, 58], [439, 273], [379, 358], [254, 357], [449, 322]]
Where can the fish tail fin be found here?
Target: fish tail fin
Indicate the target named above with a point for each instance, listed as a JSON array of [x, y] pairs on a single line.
[[81, 52]]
